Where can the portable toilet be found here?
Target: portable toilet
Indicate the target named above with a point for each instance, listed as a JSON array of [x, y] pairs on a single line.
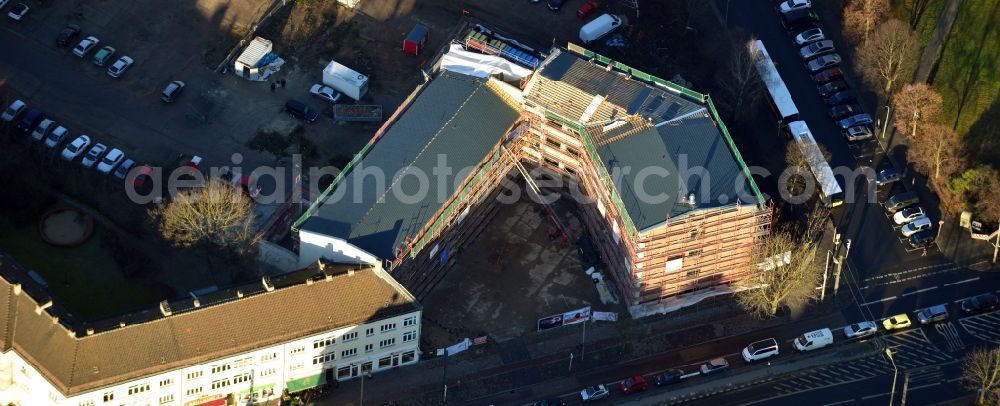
[[416, 39]]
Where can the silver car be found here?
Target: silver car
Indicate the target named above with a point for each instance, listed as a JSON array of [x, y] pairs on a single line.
[[809, 36], [858, 133], [816, 49], [823, 62], [860, 330]]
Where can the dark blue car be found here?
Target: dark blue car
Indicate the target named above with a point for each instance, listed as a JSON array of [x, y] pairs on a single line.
[[841, 97], [29, 121], [855, 120]]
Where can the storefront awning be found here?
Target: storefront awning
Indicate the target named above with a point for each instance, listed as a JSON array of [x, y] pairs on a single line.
[[309, 382]]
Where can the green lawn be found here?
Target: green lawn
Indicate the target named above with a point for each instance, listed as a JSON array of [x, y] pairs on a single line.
[[95, 286]]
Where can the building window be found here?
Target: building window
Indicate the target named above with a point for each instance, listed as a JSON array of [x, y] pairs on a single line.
[[369, 347], [267, 372], [552, 143], [166, 399], [370, 332], [572, 151], [242, 378], [242, 362], [410, 321], [134, 389], [343, 372], [221, 383], [408, 357], [350, 336], [268, 357], [194, 375], [319, 359], [220, 368], [194, 391], [297, 365], [323, 342], [349, 353], [694, 252], [109, 396], [297, 350], [409, 336], [388, 327], [384, 362], [389, 342], [695, 233], [87, 403], [166, 382], [693, 272]]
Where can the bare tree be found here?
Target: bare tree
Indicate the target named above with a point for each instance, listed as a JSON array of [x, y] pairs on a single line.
[[937, 150], [740, 82], [861, 17], [981, 373], [915, 105], [797, 161], [988, 203], [889, 57], [785, 270], [215, 216]]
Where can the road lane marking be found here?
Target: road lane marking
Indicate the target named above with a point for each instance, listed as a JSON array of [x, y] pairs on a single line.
[[919, 291], [924, 386], [961, 282], [879, 301], [839, 403], [874, 396]]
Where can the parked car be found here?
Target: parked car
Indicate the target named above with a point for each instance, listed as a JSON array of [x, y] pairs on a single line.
[[858, 133], [102, 55], [809, 36], [855, 120], [887, 176], [18, 11], [918, 224], [300, 110], [860, 330], [828, 75], [94, 155], [30, 120], [76, 147], [85, 46], [760, 350], [326, 93], [56, 136], [844, 110], [841, 97], [122, 170], [634, 384], [595, 392], [67, 35], [13, 111], [816, 49], [549, 402], [823, 62], [933, 314], [799, 20], [831, 88], [714, 366], [908, 214], [120, 66], [900, 201], [111, 161], [172, 90], [43, 129], [599, 27], [670, 376], [789, 5], [143, 178], [899, 321], [923, 239], [555, 5], [586, 9], [980, 303]]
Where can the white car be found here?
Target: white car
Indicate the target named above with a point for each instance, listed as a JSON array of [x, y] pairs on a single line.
[[85, 46], [594, 392], [42, 130], [18, 11], [95, 154], [111, 161], [15, 109], [917, 225], [120, 66], [75, 148], [326, 93], [790, 5], [56, 136], [908, 214], [823, 62], [760, 350], [809, 36], [860, 330]]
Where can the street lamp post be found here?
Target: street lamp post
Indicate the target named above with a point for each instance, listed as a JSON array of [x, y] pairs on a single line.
[[895, 374]]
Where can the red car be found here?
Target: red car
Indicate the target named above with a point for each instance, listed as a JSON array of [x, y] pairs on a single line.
[[828, 75], [634, 384], [586, 9]]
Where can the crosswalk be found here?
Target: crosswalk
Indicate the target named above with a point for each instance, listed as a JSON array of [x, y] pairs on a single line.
[[984, 326]]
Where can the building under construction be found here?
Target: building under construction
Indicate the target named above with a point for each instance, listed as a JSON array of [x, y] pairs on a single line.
[[668, 202]]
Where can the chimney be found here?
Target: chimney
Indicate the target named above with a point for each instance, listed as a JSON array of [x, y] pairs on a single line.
[[55, 319], [121, 324], [328, 277], [309, 282], [71, 333], [320, 264], [17, 288], [165, 308], [43, 306], [350, 272], [90, 331], [268, 286], [239, 294], [197, 302]]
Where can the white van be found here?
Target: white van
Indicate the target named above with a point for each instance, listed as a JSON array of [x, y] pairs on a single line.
[[814, 340], [599, 27]]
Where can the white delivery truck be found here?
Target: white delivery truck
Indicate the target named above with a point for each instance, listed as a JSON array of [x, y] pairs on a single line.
[[600, 27], [345, 80], [814, 340]]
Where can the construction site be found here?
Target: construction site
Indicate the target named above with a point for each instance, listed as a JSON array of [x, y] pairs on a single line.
[[670, 212]]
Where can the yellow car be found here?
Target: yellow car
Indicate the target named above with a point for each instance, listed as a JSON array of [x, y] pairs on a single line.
[[899, 321]]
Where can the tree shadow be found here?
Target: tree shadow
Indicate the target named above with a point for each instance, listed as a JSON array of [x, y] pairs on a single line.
[[975, 67], [983, 139]]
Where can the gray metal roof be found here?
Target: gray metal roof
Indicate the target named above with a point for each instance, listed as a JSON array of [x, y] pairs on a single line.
[[457, 118]]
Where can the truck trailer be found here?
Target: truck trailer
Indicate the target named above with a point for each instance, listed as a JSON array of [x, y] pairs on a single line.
[[345, 80]]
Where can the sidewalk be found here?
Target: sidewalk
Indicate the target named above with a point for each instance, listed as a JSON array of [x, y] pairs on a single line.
[[933, 49]]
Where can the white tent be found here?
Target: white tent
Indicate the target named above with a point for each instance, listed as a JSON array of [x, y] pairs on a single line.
[[479, 65]]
